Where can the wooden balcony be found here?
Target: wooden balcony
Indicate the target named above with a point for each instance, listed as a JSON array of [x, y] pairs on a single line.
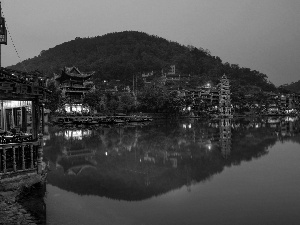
[[19, 158], [21, 153]]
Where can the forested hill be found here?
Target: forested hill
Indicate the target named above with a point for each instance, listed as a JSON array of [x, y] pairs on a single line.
[[121, 55], [293, 87]]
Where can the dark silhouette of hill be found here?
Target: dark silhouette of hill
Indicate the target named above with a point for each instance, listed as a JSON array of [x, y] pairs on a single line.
[[293, 87], [121, 55]]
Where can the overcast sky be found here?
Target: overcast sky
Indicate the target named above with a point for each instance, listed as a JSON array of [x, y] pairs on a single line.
[[263, 35]]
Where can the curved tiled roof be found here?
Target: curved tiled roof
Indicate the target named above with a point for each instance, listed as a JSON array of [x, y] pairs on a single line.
[[74, 72]]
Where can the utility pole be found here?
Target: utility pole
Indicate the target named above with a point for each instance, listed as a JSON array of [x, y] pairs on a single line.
[[3, 32], [136, 85], [3, 40], [0, 51], [1, 29], [133, 84]]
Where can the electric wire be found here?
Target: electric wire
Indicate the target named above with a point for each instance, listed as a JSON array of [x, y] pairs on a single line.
[[13, 43]]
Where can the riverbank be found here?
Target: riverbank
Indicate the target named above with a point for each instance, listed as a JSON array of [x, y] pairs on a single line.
[[142, 117], [12, 212], [13, 192]]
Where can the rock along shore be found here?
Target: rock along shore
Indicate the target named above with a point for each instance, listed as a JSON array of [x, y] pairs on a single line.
[[13, 191]]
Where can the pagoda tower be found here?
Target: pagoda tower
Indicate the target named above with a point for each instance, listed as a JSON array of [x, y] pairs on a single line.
[[74, 85], [224, 98]]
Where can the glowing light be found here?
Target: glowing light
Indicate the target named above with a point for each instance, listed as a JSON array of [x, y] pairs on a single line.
[[209, 145], [73, 134], [290, 119], [13, 104], [106, 153]]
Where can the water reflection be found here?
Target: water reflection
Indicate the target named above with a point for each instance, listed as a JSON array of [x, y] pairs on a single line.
[[139, 162]]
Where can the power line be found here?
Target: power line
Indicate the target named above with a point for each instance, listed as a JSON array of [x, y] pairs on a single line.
[[13, 42]]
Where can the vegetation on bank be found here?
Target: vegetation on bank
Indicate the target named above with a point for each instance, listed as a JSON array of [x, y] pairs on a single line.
[[293, 87], [151, 99], [157, 99]]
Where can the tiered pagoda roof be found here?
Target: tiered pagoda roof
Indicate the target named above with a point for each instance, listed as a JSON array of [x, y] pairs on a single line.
[[224, 80], [72, 73]]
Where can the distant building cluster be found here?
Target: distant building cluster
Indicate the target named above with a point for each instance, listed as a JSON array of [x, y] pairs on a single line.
[[208, 98], [164, 77], [218, 99]]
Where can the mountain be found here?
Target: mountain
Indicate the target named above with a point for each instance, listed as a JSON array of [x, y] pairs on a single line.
[[293, 87], [121, 55]]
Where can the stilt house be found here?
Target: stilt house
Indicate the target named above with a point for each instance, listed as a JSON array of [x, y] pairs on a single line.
[[21, 116]]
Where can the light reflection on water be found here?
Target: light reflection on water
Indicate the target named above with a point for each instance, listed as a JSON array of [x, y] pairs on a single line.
[[187, 172]]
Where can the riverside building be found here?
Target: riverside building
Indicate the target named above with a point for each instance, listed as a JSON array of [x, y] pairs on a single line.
[[74, 85], [21, 134]]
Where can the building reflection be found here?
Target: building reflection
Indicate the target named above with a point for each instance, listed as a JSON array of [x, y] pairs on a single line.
[[134, 163], [225, 137], [75, 155]]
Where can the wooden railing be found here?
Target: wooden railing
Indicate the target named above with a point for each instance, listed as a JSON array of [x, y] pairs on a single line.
[[21, 157]]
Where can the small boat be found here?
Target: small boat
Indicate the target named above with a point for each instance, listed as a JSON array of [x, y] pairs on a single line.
[[116, 120], [147, 118], [64, 121], [104, 120], [135, 119]]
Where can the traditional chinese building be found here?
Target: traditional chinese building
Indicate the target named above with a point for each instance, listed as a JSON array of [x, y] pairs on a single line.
[[74, 85], [224, 98], [21, 99]]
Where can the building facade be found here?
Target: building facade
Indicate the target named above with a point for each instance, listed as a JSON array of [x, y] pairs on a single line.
[[22, 97]]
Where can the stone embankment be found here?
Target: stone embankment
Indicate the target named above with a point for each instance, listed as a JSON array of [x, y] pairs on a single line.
[[12, 191]]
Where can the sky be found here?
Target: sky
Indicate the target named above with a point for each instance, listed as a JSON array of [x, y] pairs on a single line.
[[262, 35]]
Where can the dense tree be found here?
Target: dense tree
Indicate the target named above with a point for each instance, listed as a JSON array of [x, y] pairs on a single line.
[[122, 55], [152, 99], [92, 99], [288, 88], [127, 102], [173, 103], [54, 99], [113, 105]]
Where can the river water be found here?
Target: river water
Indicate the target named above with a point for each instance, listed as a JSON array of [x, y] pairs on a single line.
[[241, 171]]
